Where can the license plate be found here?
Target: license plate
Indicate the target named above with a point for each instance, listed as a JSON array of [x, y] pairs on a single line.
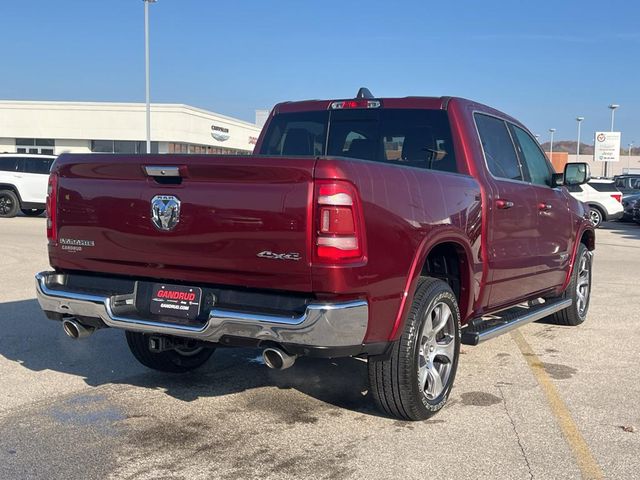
[[175, 300]]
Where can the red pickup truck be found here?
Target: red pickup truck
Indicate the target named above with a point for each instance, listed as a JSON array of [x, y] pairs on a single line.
[[392, 229]]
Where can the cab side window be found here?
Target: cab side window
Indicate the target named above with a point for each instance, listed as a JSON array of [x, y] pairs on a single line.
[[37, 165], [540, 171], [621, 182], [8, 164], [499, 151]]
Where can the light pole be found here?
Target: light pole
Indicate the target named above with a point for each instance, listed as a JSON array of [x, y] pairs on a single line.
[[551, 131], [146, 70], [579, 120], [629, 157], [613, 107]]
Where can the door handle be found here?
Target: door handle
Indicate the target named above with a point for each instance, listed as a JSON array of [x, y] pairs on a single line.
[[544, 207], [502, 204]]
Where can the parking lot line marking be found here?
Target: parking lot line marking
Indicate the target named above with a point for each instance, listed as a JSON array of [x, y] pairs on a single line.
[[587, 464]]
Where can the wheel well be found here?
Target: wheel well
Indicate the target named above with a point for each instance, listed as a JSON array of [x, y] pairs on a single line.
[[7, 186], [597, 207], [589, 240], [448, 262]]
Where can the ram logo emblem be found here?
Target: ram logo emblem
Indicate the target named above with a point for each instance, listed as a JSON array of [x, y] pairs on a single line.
[[165, 212]]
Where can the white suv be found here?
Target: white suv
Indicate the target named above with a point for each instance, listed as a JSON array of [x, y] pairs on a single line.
[[23, 183], [603, 198]]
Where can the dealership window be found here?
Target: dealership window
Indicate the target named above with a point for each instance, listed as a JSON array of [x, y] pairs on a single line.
[[122, 146], [35, 145], [205, 149]]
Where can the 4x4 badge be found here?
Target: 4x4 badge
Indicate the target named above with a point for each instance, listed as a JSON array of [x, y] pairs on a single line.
[[165, 212], [279, 256]]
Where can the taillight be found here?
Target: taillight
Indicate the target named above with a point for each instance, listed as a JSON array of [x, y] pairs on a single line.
[[617, 197], [339, 225], [52, 208]]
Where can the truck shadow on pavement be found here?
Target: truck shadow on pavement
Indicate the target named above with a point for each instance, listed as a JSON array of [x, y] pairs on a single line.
[[623, 229], [38, 344]]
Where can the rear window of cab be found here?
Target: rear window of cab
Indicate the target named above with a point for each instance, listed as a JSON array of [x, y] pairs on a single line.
[[410, 137]]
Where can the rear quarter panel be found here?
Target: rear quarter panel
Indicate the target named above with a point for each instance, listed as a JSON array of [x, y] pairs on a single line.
[[406, 211]]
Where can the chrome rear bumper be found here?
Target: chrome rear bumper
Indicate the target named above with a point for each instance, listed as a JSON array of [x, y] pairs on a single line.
[[321, 325]]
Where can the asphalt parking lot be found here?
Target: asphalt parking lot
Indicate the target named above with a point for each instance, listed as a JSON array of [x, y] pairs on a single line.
[[544, 402]]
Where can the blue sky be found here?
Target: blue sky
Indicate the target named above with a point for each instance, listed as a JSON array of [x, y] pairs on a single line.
[[543, 62]]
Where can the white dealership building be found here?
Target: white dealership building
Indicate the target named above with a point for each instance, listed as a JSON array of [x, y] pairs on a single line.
[[83, 127]]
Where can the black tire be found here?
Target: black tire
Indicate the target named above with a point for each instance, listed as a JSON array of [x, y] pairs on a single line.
[[394, 380], [32, 212], [596, 215], [9, 204], [167, 361], [576, 313]]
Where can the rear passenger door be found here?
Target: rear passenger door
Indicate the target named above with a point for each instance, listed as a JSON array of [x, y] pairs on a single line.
[[9, 172], [552, 211], [35, 175], [512, 218]]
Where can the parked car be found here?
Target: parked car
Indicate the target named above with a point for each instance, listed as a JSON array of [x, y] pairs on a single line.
[[23, 183], [383, 228], [636, 211], [603, 198], [628, 204], [628, 183]]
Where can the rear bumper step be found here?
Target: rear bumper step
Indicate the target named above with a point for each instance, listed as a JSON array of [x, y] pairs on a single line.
[[480, 330], [321, 324]]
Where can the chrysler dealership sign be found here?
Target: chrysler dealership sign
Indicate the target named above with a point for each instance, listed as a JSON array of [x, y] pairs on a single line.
[[607, 147], [220, 133]]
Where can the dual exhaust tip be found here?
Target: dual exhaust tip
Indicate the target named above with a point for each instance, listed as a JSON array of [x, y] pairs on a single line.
[[273, 357], [75, 329], [277, 359]]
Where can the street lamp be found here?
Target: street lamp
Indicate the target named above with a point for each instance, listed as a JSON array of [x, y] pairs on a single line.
[[629, 157], [579, 120], [551, 131], [146, 70], [613, 107]]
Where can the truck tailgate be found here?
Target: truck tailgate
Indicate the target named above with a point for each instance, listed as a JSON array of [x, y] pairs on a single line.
[[244, 220]]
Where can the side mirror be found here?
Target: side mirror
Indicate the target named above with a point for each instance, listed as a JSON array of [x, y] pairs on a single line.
[[557, 180], [577, 173]]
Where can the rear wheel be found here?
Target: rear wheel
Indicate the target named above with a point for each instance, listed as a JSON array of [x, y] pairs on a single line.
[[181, 359], [579, 290], [414, 382], [9, 204], [32, 212], [595, 215]]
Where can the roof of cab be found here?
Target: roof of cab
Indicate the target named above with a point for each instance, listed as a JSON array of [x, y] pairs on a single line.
[[427, 103], [430, 103]]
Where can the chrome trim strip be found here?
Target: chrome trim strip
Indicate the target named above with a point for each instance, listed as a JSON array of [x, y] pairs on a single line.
[[323, 325]]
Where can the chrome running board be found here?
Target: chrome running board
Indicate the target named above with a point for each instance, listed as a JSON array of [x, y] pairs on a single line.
[[482, 329]]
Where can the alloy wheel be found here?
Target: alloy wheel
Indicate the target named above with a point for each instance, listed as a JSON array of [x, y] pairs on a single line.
[[436, 350], [583, 285], [5, 205]]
